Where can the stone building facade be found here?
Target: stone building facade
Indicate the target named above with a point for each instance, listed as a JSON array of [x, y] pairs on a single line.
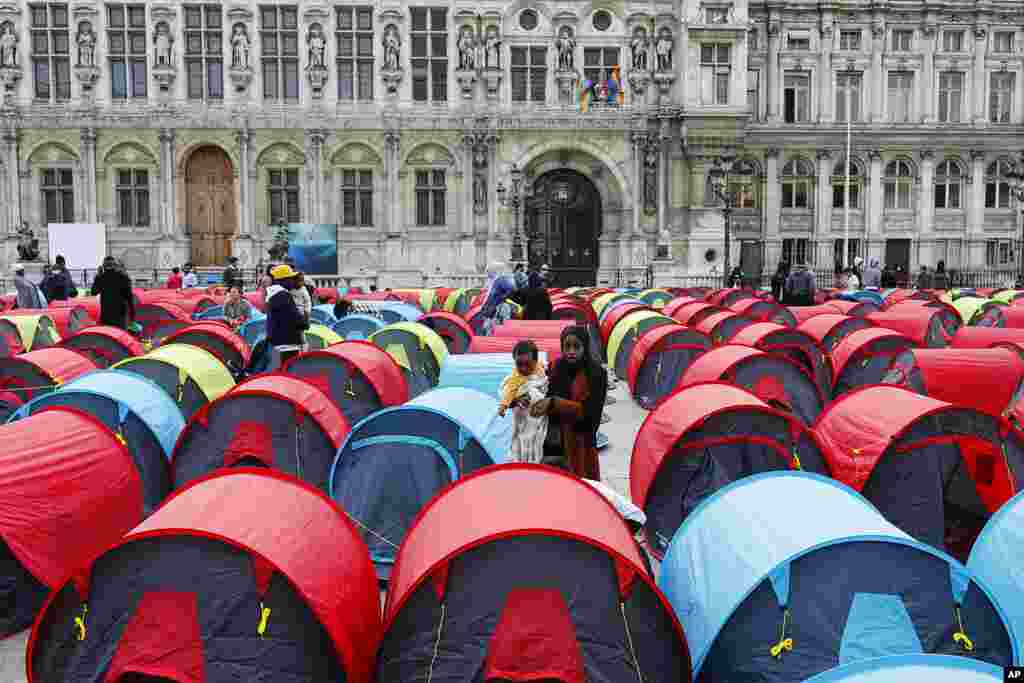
[[435, 134]]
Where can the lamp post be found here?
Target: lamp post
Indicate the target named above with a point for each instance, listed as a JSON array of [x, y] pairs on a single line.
[[515, 197], [1015, 176], [724, 166]]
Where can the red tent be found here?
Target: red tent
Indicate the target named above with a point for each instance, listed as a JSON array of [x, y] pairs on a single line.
[[804, 313], [722, 326], [532, 329], [923, 325], [551, 347], [251, 541], [612, 318], [831, 328], [984, 337], [575, 311], [38, 372], [794, 344], [762, 310], [155, 315], [857, 309], [672, 306], [864, 357], [660, 358], [217, 338], [727, 297], [536, 528], [68, 319], [691, 314], [452, 328], [105, 345]]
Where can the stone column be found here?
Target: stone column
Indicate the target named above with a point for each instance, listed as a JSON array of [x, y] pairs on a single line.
[[168, 180], [772, 199], [88, 137], [926, 205], [876, 95], [926, 84], [639, 141], [12, 215], [823, 198], [773, 76], [826, 113], [663, 161], [467, 219], [976, 194], [245, 192], [392, 162], [978, 78], [874, 197], [314, 174]]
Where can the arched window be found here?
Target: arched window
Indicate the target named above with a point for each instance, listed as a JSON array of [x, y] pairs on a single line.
[[798, 184], [948, 181], [997, 188], [743, 188], [839, 185], [899, 182]]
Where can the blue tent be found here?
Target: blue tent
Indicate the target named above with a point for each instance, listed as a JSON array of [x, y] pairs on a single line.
[[357, 326], [398, 311], [254, 329], [135, 408], [217, 312], [996, 560], [395, 460], [749, 570], [931, 668], [483, 372], [323, 314], [862, 295]]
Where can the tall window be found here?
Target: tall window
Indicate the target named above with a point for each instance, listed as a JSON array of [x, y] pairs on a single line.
[[948, 179], [529, 74], [852, 250], [355, 53], [356, 197], [279, 50], [798, 184], [902, 40], [743, 190], [204, 54], [126, 44], [58, 192], [51, 66], [848, 96], [839, 185], [849, 40], [598, 62], [997, 188], [283, 190], [953, 41], [429, 54], [796, 97], [714, 73], [430, 197], [1002, 42], [901, 96], [951, 95], [798, 40], [795, 250], [1001, 97], [999, 253], [899, 183], [133, 198], [754, 94]]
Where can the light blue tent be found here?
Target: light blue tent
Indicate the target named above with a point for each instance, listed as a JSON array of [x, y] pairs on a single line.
[[217, 312], [748, 569], [863, 295], [996, 560], [395, 460], [398, 311], [254, 329], [483, 372], [909, 668], [323, 314], [357, 326]]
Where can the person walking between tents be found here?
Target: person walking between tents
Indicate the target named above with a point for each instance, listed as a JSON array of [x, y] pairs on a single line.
[[499, 287], [800, 286], [577, 389], [527, 384], [29, 295], [233, 274], [59, 286], [117, 302], [285, 324]]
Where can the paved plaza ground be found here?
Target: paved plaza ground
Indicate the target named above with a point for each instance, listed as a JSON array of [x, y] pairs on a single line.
[[626, 419]]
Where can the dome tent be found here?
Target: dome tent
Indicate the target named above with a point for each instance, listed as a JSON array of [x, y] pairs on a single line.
[[105, 345], [232, 600], [274, 420], [136, 410], [160, 318], [693, 313], [451, 328], [659, 359], [545, 583], [417, 349], [935, 470], [902, 668], [67, 317], [483, 372], [626, 334], [359, 378], [828, 329], [58, 506], [698, 441], [356, 326], [191, 376], [749, 595], [505, 345], [220, 340], [794, 344], [432, 440], [864, 357], [723, 326], [765, 311], [35, 373], [33, 331], [995, 559], [921, 324]]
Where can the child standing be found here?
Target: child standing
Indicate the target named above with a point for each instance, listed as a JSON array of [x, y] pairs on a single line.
[[527, 384]]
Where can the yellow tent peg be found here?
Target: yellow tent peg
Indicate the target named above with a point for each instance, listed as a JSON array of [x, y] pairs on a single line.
[[264, 618], [80, 622]]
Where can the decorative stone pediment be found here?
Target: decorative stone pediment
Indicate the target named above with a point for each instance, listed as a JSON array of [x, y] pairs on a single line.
[[239, 13], [52, 152], [9, 10], [356, 154], [430, 154], [281, 154], [127, 154], [84, 12], [315, 12]]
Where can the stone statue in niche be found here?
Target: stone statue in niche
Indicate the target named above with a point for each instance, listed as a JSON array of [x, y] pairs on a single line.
[[479, 194], [8, 45], [162, 41], [651, 178], [28, 243], [86, 41], [467, 49], [565, 45], [240, 48], [317, 46], [392, 49], [492, 49], [663, 48], [640, 47]]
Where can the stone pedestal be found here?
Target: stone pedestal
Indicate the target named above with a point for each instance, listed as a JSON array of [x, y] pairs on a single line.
[[9, 78], [664, 80], [492, 82], [466, 79], [87, 76], [240, 78], [566, 81], [317, 76], [164, 75], [392, 79]]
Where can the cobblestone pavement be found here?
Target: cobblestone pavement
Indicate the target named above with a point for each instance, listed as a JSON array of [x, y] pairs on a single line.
[[626, 418]]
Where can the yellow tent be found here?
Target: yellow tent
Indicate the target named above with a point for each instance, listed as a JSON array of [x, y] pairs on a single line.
[[321, 336], [414, 346], [36, 331], [191, 362], [633, 323]]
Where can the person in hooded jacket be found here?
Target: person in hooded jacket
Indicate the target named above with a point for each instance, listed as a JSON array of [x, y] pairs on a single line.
[[285, 323], [779, 281], [873, 275]]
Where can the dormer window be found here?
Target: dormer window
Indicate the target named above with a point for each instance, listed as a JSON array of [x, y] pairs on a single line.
[[716, 15], [953, 41], [798, 40], [849, 40]]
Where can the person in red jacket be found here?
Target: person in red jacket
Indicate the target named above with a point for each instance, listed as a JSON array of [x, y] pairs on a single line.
[[174, 281]]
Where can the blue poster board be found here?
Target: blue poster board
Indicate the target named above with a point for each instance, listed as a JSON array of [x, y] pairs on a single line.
[[313, 248]]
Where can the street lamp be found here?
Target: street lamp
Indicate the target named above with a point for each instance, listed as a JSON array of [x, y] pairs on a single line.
[[515, 198], [1015, 176], [724, 166]]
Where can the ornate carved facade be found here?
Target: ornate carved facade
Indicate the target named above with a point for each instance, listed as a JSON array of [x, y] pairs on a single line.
[[190, 129]]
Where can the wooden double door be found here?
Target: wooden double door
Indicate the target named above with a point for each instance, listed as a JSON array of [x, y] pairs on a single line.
[[563, 221], [212, 211]]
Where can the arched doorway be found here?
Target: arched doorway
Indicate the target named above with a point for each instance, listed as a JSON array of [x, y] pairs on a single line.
[[212, 217], [563, 222]]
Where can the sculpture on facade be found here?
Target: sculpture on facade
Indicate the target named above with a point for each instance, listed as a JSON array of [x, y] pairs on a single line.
[[467, 49], [663, 49], [8, 46], [650, 196], [317, 45], [565, 45], [28, 243], [392, 49], [640, 47], [492, 49], [479, 194], [162, 40], [240, 48], [86, 41]]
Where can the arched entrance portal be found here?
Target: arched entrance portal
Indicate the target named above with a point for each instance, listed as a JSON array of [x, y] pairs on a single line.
[[563, 222], [210, 204]]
